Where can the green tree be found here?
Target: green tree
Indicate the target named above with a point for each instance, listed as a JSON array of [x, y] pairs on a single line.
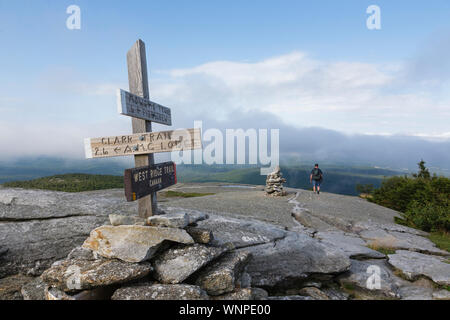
[[423, 171]]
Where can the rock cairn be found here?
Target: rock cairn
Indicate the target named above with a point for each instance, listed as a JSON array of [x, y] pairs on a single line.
[[274, 183], [166, 257]]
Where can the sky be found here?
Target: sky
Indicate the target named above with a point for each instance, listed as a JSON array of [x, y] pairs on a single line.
[[302, 64]]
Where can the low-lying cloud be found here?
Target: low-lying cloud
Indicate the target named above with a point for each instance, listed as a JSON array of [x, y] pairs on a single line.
[[334, 111]]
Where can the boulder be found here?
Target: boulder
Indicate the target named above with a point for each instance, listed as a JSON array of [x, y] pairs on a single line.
[[314, 293], [177, 218], [179, 262], [335, 294], [414, 265], [241, 233], [350, 244], [363, 276], [244, 294], [119, 220], [221, 276], [174, 220], [80, 253], [72, 275], [54, 294], [296, 258], [200, 235], [34, 290], [132, 243], [160, 292], [100, 293], [10, 286], [415, 293], [288, 298], [245, 281]]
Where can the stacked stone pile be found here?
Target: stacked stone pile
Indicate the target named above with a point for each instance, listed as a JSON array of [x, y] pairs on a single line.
[[274, 183], [165, 257]]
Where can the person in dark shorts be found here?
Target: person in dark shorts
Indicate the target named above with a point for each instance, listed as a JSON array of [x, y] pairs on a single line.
[[316, 178]]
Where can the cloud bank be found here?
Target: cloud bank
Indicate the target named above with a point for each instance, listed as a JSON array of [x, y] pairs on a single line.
[[336, 111]]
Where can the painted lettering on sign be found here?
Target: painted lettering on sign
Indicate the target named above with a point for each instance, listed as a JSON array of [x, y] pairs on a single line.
[[143, 143], [142, 181], [134, 106]]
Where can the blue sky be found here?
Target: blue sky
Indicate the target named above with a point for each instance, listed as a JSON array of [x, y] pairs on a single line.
[[310, 63]]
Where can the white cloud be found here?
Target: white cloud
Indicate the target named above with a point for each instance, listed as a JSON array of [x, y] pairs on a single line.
[[288, 91], [353, 97]]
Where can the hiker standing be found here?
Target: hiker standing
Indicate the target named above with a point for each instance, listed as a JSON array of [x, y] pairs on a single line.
[[316, 178]]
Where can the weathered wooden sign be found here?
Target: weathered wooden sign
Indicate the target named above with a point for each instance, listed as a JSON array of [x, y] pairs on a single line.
[[143, 143], [143, 181], [135, 106]]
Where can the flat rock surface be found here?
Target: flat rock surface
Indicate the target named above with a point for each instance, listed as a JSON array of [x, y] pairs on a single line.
[[350, 244], [160, 292], [373, 276], [415, 265], [416, 293], [401, 240], [441, 295]]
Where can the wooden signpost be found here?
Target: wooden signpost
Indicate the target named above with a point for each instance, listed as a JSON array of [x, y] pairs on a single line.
[[142, 143], [142, 182]]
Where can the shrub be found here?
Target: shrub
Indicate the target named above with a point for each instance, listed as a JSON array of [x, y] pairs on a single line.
[[365, 188], [428, 216], [423, 200]]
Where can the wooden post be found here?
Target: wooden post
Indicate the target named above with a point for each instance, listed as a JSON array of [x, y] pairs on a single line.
[[138, 83]]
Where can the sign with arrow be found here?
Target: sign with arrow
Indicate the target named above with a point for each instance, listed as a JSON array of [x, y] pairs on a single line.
[[143, 143]]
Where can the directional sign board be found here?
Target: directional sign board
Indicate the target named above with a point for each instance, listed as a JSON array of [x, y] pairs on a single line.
[[143, 143], [142, 181], [134, 106]]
